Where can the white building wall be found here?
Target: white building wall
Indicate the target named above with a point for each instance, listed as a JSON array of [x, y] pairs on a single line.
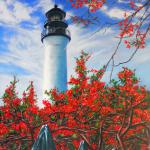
[[55, 63]]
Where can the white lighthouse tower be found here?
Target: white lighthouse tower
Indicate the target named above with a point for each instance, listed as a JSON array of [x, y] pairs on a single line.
[[55, 38]]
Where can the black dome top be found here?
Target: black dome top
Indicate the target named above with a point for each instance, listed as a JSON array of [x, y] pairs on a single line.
[[55, 10]]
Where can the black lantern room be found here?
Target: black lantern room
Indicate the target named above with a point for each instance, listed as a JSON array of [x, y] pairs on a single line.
[[55, 24]]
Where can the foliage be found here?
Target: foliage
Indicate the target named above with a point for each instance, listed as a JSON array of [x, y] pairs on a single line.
[[134, 27], [106, 116]]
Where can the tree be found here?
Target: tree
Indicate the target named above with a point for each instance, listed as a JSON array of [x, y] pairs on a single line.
[[106, 116], [133, 29]]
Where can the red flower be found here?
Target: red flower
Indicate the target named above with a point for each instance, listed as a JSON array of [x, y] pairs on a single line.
[[16, 102], [3, 129], [91, 110]]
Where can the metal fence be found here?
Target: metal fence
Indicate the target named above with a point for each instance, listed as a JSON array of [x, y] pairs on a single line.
[[45, 141]]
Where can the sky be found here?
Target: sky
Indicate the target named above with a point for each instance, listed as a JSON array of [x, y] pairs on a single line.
[[22, 52]]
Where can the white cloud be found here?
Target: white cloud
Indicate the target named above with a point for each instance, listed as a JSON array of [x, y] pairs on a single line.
[[98, 46], [45, 5], [118, 13], [21, 12], [14, 12], [123, 1], [24, 49], [114, 12], [138, 4], [29, 58]]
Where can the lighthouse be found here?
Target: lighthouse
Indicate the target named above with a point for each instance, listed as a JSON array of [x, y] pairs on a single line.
[[55, 38]]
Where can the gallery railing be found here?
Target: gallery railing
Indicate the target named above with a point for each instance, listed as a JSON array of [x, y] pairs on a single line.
[[55, 31]]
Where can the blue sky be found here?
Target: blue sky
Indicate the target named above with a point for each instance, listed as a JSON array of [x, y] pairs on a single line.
[[21, 50]]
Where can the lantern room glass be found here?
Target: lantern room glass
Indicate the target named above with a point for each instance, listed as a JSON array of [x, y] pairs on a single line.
[[56, 17]]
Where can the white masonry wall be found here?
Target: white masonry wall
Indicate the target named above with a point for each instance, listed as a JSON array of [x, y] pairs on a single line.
[[55, 63]]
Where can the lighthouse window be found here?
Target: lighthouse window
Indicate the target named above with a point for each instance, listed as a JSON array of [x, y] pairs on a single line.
[[55, 18]]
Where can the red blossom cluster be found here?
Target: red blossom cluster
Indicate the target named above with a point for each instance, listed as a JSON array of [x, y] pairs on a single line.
[[127, 28], [134, 28], [84, 21], [92, 4], [79, 20], [132, 4], [130, 30], [18, 118], [114, 116]]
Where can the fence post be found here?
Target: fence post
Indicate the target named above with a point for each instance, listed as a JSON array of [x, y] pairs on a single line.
[[44, 140], [83, 146]]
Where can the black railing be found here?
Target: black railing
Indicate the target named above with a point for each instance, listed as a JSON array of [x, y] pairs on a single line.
[[55, 31]]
